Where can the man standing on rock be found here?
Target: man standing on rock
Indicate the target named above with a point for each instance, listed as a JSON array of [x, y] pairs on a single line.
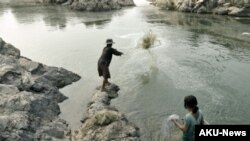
[[104, 61]]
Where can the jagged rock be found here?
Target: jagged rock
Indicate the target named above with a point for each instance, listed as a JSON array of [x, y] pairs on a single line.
[[82, 5], [8, 50], [100, 5], [221, 2], [240, 12], [221, 10], [29, 96], [223, 7], [202, 10], [67, 3], [29, 65], [126, 2], [104, 122], [60, 77], [61, 1], [28, 75], [1, 43]]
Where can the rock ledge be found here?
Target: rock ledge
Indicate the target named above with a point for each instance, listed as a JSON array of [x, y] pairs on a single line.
[[29, 97], [104, 122], [80, 5], [239, 8]]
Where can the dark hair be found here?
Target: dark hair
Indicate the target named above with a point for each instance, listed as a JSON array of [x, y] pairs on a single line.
[[190, 101], [109, 45]]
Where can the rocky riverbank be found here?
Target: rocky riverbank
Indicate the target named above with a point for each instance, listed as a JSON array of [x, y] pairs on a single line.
[[80, 5], [240, 8], [104, 122], [29, 110], [29, 97]]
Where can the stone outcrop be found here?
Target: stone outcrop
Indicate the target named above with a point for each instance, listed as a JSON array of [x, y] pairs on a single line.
[[222, 7], [104, 122], [81, 5], [29, 97], [100, 5]]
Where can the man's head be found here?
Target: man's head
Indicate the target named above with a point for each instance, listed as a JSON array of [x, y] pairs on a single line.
[[109, 42]]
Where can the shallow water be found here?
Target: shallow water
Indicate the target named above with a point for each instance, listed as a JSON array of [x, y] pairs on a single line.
[[204, 55]]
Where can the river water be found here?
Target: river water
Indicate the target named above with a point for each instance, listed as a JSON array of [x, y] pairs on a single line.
[[204, 55]]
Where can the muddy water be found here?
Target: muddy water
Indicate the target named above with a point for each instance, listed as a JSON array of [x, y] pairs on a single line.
[[204, 55]]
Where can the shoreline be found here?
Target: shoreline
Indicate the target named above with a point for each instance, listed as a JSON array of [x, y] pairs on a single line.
[[30, 97], [83, 5], [238, 8]]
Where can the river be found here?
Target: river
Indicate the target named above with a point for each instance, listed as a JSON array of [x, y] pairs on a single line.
[[204, 55]]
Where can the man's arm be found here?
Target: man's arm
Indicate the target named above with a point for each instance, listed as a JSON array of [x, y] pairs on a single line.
[[117, 53]]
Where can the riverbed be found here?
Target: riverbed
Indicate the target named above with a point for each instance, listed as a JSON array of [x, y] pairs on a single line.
[[204, 55]]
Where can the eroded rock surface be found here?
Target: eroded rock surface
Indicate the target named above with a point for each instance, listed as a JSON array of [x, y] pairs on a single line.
[[104, 122], [29, 97], [80, 5], [100, 5], [239, 8]]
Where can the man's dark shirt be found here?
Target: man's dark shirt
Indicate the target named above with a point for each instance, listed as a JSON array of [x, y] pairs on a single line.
[[107, 53]]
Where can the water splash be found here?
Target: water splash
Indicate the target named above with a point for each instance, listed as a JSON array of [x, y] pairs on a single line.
[[148, 40], [168, 126]]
